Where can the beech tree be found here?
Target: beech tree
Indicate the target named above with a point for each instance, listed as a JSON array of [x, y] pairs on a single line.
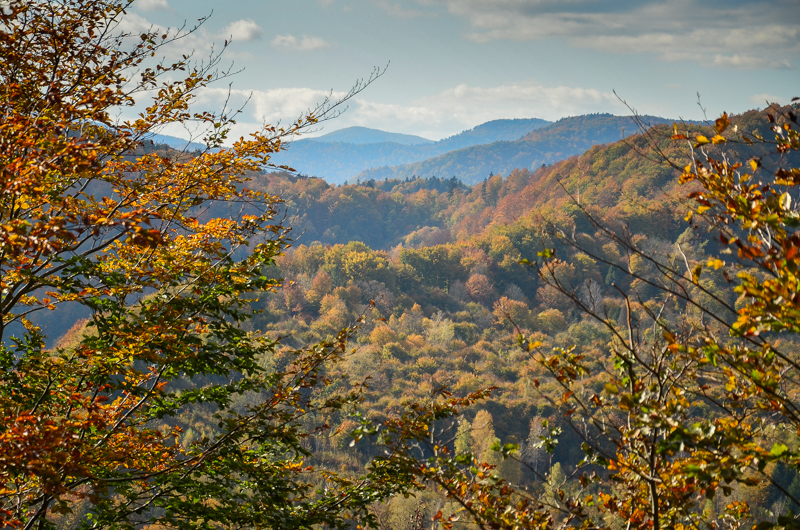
[[700, 400], [90, 217]]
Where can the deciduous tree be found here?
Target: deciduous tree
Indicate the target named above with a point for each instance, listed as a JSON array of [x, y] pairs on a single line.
[[703, 391], [90, 217]]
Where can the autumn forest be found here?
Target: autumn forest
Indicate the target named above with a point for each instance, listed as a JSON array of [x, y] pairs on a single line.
[[586, 323]]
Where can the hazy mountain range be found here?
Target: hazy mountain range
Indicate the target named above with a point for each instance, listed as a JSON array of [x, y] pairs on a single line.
[[336, 160], [545, 145], [364, 135], [176, 143], [498, 146]]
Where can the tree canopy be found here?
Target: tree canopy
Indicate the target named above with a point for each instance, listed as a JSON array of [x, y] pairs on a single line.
[[91, 218], [212, 377]]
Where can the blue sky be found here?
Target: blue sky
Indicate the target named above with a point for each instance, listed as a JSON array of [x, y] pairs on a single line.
[[458, 63]]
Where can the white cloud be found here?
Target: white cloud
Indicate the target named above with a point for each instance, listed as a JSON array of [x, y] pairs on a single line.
[[730, 34], [266, 106], [281, 106], [397, 10], [195, 42], [135, 23], [463, 107], [288, 104], [151, 5], [304, 44], [243, 30], [748, 61], [762, 100], [449, 112]]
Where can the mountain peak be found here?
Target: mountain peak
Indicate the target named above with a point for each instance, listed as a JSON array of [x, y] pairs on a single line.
[[365, 135]]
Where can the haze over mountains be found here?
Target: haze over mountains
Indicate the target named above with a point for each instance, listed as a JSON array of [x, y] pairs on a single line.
[[174, 142], [365, 135], [495, 147], [337, 161], [498, 146]]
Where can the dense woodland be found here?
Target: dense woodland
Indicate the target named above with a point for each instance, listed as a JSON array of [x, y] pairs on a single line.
[[584, 332], [435, 267], [443, 266]]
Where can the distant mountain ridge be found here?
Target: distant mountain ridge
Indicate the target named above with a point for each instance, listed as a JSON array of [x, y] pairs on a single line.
[[493, 131], [365, 135], [545, 145], [174, 142], [499, 146], [339, 161]]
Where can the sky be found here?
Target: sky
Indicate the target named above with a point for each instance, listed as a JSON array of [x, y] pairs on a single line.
[[454, 64]]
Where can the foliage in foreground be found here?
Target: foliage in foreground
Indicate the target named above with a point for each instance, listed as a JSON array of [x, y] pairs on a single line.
[[701, 392], [90, 431], [170, 407]]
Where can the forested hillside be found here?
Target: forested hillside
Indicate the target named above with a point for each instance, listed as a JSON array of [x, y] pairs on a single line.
[[418, 212], [445, 304], [435, 268], [492, 131], [592, 332], [546, 145]]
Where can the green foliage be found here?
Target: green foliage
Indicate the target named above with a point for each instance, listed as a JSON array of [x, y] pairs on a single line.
[[435, 266]]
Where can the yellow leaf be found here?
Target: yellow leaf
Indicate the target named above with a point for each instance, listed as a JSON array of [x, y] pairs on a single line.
[[718, 139], [701, 140], [696, 273], [716, 263]]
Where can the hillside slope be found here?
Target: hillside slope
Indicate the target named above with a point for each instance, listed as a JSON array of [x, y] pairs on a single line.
[[173, 142], [562, 139], [438, 307], [449, 314], [492, 131], [419, 212], [615, 179]]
